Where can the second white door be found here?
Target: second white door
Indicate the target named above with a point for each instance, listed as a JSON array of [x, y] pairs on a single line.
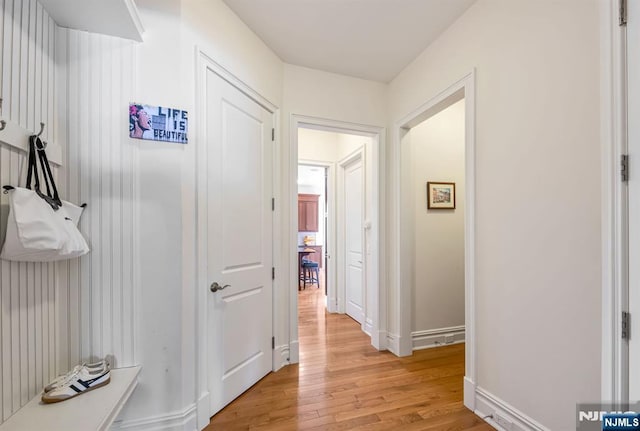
[[353, 214]]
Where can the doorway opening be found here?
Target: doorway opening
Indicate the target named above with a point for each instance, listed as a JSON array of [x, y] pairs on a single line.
[[433, 211], [332, 208], [446, 240], [336, 226], [313, 226]]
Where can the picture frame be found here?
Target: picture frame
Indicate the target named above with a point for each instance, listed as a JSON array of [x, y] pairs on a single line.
[[158, 123], [441, 195]]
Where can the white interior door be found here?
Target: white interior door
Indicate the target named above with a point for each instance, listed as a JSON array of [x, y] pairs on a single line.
[[354, 205], [633, 40], [239, 239]]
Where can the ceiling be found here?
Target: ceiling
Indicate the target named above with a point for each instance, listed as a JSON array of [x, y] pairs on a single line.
[[311, 176], [370, 39]]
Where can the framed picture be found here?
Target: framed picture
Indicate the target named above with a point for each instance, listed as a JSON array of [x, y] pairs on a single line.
[[157, 123], [441, 195]]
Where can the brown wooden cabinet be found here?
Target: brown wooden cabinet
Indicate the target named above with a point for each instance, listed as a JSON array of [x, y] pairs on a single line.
[[308, 213]]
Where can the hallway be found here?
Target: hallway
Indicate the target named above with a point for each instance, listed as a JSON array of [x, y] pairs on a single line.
[[342, 383]]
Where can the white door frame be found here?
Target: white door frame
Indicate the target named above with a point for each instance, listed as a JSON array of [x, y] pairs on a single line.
[[401, 343], [205, 63], [330, 248], [341, 263], [377, 269], [615, 205]]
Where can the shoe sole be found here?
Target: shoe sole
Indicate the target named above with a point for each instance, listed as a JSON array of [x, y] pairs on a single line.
[[57, 400]]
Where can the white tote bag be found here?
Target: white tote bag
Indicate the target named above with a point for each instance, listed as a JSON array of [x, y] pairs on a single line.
[[41, 228]]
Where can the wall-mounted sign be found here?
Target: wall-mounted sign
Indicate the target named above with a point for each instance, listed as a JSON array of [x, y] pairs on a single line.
[[157, 123]]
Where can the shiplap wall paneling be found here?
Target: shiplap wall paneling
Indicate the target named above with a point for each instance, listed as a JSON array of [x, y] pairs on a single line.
[[27, 290], [93, 100]]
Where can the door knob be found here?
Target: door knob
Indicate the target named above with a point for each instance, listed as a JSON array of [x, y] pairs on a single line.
[[215, 287]]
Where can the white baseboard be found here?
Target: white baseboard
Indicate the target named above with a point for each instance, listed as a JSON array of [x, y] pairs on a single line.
[[184, 420], [280, 356], [469, 393], [437, 337], [294, 352], [332, 305], [405, 346], [398, 345], [393, 343], [203, 411], [368, 327], [379, 340], [504, 417]]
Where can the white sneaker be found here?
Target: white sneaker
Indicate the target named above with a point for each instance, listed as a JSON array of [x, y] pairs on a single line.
[[76, 384], [94, 368]]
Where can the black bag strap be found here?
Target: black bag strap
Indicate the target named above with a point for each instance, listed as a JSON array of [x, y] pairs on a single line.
[[45, 174], [46, 169], [33, 168], [32, 173]]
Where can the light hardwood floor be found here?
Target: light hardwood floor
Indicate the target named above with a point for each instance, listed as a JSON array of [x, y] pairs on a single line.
[[342, 383]]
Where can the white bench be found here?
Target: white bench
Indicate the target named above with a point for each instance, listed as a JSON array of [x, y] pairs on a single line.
[[94, 410]]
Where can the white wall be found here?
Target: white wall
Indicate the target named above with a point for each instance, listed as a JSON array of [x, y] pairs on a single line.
[[29, 294], [348, 144], [537, 191], [437, 154], [322, 146], [328, 95], [317, 145], [166, 71], [101, 171], [159, 71]]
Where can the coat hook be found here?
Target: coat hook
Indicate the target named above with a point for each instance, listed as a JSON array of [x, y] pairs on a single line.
[[3, 124], [41, 129]]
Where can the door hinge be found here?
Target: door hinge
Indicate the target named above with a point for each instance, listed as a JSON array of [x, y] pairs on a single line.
[[273, 343], [624, 328], [273, 134], [624, 168], [273, 273], [273, 204], [622, 13]]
